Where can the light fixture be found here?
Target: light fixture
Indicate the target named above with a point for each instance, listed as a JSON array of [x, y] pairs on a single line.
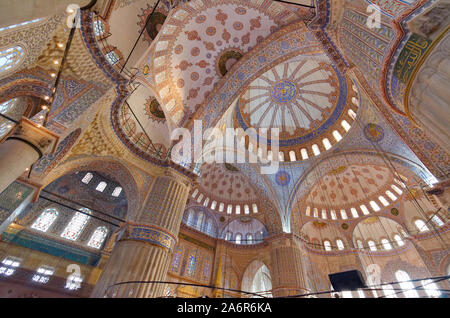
[[55, 62], [44, 107], [60, 45], [52, 74]]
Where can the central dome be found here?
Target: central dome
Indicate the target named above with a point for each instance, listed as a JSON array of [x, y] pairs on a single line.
[[305, 97]]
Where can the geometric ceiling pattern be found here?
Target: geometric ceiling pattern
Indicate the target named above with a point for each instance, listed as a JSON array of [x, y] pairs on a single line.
[[303, 97], [199, 43]]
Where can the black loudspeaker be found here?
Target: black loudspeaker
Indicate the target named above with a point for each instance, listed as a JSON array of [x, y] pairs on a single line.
[[350, 280]]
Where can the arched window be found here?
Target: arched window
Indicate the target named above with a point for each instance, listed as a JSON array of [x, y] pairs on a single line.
[[99, 27], [327, 245], [304, 153], [397, 189], [98, 237], [73, 282], [238, 238], [333, 214], [238, 209], [292, 156], [372, 245], [308, 211], [431, 288], [352, 114], [112, 57], [87, 178], [76, 225], [388, 291], [383, 200], [213, 205], [364, 209], [190, 220], [344, 215], [228, 236], [360, 245], [405, 284], [337, 135], [326, 143], [340, 245], [249, 238], [246, 209], [399, 240], [374, 206], [200, 217], [117, 192], [354, 213], [10, 57], [386, 244], [316, 213], [6, 106], [346, 125], [192, 264], [209, 226], [315, 150], [391, 195], [421, 226], [101, 186], [45, 220], [255, 208], [437, 220]]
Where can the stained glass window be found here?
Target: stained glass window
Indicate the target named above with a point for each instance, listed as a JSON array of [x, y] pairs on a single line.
[[238, 238], [43, 274], [372, 245], [9, 266], [386, 244], [87, 178], [431, 288], [249, 238], [191, 265], [406, 284], [399, 240], [101, 186], [112, 57], [340, 245], [45, 220], [6, 106], [73, 282], [388, 291], [99, 27], [10, 57], [76, 225], [421, 226], [206, 269], [98, 237], [327, 245], [176, 260], [117, 191]]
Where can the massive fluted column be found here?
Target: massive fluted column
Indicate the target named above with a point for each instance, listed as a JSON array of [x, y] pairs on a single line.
[[428, 101], [144, 248], [29, 142], [287, 268]]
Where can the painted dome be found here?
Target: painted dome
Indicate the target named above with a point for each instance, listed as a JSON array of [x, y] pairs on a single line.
[[306, 98]]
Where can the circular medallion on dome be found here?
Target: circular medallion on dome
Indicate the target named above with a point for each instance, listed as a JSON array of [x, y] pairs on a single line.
[[283, 91], [373, 132], [304, 98]]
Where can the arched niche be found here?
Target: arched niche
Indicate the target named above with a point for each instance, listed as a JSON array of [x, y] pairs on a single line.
[[317, 232], [243, 226], [257, 279], [110, 167]]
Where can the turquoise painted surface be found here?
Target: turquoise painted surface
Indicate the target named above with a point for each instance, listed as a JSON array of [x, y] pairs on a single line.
[[51, 247]]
